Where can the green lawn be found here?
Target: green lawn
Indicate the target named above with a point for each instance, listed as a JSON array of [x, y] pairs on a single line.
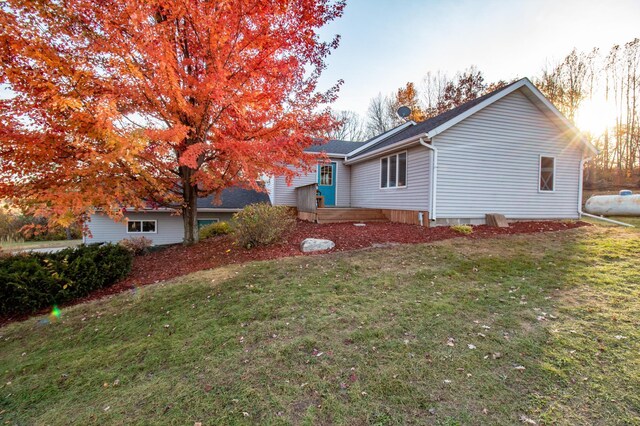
[[630, 220], [29, 245], [540, 328]]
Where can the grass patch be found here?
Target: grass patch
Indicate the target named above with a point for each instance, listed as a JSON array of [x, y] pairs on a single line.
[[372, 337], [630, 220], [462, 229]]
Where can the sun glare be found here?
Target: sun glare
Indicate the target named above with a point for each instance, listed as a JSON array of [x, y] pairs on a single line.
[[595, 116]]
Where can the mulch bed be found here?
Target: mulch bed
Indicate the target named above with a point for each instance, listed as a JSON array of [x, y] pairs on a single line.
[[178, 260]]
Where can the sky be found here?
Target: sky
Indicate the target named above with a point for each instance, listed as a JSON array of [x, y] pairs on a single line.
[[386, 43]]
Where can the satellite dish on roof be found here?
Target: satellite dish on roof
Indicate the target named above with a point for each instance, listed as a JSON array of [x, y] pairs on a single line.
[[404, 112]]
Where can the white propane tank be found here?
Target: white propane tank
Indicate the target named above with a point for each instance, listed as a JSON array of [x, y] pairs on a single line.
[[625, 204]]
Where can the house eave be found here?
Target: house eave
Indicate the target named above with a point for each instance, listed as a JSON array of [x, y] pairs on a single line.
[[174, 210], [333, 155], [538, 98], [214, 210], [530, 91], [413, 140], [382, 137]]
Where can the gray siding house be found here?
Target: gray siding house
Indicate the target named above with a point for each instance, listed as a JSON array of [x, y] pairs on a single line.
[[164, 226], [510, 151]]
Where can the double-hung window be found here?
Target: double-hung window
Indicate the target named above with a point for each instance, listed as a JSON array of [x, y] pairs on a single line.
[[141, 227], [393, 171], [547, 173]]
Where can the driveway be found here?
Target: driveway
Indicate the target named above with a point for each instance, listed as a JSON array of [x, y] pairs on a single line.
[[42, 250]]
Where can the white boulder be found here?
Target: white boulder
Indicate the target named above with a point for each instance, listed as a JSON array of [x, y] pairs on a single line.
[[316, 244]]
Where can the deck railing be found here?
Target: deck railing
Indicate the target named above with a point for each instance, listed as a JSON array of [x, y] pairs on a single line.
[[306, 198]]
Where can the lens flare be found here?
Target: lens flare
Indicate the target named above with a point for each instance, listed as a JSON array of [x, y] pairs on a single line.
[[55, 312], [596, 115], [43, 322]]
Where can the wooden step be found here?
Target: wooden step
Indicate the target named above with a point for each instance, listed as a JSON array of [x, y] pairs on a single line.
[[336, 215], [352, 221]]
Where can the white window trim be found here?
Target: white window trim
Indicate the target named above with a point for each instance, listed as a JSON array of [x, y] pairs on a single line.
[[406, 177], [214, 219], [546, 191], [155, 227]]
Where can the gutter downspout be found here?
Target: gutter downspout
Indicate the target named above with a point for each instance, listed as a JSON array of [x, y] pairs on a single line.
[[433, 179], [580, 212]]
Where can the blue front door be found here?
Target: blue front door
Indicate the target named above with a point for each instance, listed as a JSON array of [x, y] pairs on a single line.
[[327, 183]]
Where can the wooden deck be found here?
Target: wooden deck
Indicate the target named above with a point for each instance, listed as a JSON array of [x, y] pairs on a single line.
[[341, 214], [309, 207]]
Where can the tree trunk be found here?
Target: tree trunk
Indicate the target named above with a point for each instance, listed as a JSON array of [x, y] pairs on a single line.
[[190, 213]]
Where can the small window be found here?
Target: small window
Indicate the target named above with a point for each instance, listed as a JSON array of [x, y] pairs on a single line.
[[141, 226], [326, 175], [547, 173], [205, 222], [393, 171]]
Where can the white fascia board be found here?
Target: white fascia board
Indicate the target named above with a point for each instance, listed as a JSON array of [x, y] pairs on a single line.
[[328, 154], [562, 118], [148, 210], [170, 210], [458, 118], [392, 147], [215, 210], [382, 136], [516, 86]]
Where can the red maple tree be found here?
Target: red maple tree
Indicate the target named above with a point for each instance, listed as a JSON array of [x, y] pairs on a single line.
[[113, 104]]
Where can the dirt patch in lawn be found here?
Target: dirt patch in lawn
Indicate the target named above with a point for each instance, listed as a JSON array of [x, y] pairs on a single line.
[[178, 260]]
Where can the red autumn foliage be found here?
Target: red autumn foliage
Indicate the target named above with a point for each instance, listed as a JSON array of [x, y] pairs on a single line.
[[123, 103]]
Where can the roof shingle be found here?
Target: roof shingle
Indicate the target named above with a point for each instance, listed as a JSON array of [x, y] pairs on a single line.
[[335, 147], [233, 198]]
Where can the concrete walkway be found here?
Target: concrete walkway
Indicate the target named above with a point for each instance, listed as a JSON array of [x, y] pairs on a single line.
[[42, 250], [54, 247]]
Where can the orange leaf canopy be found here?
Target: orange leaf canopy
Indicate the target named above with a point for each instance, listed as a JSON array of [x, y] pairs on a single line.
[[108, 103]]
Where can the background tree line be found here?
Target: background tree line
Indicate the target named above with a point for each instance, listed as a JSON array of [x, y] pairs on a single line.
[[610, 79], [17, 227], [435, 94]]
